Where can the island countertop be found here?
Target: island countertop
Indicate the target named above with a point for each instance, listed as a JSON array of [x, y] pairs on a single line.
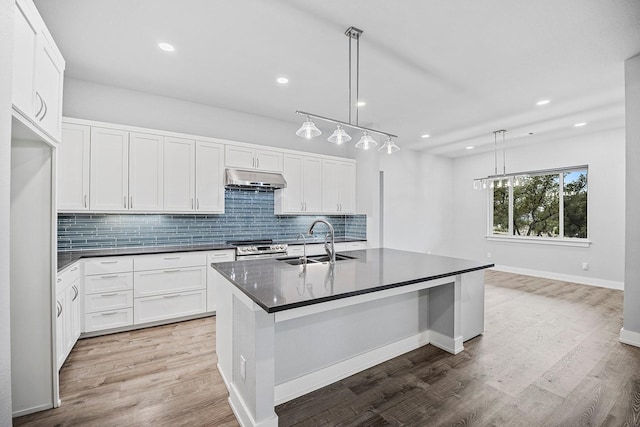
[[276, 286]]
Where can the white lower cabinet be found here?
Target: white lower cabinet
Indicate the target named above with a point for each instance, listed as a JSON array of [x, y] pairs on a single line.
[[213, 277], [67, 312], [123, 291], [169, 306], [108, 293]]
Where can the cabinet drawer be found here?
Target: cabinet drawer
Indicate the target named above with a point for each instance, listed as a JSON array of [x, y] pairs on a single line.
[[108, 301], [157, 282], [351, 246], [221, 256], [108, 265], [169, 306], [67, 277], [108, 320], [166, 261], [106, 283]]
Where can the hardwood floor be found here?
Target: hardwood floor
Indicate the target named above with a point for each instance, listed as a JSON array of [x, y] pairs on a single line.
[[549, 356]]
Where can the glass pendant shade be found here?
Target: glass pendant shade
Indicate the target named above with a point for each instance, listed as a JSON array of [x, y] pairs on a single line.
[[308, 130], [339, 136], [389, 147], [366, 141]]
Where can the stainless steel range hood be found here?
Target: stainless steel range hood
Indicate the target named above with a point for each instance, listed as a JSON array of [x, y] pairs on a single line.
[[244, 178]]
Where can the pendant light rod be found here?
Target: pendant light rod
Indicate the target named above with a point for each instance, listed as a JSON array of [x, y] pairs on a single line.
[[340, 122]]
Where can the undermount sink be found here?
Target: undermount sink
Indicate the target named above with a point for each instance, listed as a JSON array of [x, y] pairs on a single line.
[[315, 259]]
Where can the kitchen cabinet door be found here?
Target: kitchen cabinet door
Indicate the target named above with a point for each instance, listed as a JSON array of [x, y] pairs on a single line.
[[146, 160], [49, 71], [73, 168], [291, 199], [249, 158], [25, 37], [312, 184], [109, 170], [61, 307], [347, 187], [268, 160], [209, 177], [179, 174], [330, 186], [239, 157], [72, 317]]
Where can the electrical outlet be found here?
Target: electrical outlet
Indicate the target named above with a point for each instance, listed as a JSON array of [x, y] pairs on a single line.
[[488, 254], [585, 265], [243, 368]]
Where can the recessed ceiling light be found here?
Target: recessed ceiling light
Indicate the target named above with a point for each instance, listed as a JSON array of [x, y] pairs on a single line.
[[282, 80], [426, 135], [166, 47], [543, 102], [577, 125], [361, 103], [471, 147]]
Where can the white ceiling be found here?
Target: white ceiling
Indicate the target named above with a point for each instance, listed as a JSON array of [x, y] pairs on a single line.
[[456, 69]]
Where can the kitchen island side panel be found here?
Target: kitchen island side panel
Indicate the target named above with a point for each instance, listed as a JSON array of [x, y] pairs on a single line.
[[306, 344]]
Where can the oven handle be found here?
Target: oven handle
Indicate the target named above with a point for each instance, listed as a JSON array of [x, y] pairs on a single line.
[[260, 256]]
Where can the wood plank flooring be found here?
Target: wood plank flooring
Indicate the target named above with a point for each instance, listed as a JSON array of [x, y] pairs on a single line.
[[549, 356]]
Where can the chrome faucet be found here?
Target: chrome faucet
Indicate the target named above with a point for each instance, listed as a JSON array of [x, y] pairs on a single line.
[[329, 247], [304, 249]]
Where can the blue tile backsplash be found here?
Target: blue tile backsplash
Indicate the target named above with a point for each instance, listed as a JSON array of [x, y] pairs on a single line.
[[248, 215]]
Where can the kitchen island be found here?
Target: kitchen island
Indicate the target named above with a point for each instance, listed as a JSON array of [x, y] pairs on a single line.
[[285, 330]]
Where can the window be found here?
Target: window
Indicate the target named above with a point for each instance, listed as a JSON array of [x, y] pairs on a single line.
[[542, 205]]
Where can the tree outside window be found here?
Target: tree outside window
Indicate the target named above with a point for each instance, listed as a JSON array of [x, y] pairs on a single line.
[[533, 205]]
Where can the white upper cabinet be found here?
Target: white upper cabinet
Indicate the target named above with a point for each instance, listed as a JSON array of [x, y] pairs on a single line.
[[146, 155], [38, 71], [193, 176], [209, 177], [303, 193], [249, 158], [179, 174], [109, 170], [73, 168], [338, 187]]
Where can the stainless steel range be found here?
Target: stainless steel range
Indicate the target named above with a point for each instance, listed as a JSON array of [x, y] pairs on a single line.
[[256, 249]]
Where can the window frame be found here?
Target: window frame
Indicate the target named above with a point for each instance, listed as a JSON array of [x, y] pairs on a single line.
[[553, 241]]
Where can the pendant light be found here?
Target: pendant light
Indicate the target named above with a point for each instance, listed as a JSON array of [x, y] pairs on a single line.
[[340, 136], [308, 130], [366, 141], [389, 147], [495, 180]]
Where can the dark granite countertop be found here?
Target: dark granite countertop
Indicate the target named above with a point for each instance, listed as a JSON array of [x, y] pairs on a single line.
[[67, 258], [276, 286]]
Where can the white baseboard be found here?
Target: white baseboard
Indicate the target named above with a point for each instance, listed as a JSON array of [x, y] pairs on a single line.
[[628, 337], [32, 410], [224, 378], [330, 374], [243, 414], [591, 281], [443, 342]]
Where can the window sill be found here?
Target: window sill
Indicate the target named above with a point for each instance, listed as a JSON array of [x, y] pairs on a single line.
[[576, 243]]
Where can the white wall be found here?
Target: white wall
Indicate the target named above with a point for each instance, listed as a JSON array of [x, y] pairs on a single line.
[[92, 101], [417, 201], [603, 152], [632, 240], [6, 47]]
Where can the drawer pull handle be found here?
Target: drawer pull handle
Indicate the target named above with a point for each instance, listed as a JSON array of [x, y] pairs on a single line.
[[109, 314], [219, 255], [59, 306], [108, 262], [171, 296], [74, 268], [172, 257], [111, 276], [75, 296], [59, 279], [109, 295], [172, 271]]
